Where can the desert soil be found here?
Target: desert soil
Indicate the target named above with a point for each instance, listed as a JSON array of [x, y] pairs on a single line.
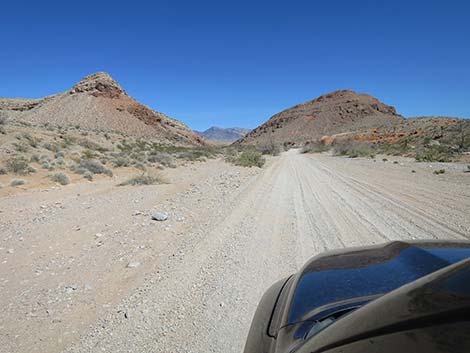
[[84, 268]]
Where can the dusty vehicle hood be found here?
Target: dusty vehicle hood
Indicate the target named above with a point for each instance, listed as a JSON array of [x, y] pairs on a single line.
[[356, 277]]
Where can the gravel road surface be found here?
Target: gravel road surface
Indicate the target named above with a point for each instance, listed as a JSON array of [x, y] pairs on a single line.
[[94, 273]]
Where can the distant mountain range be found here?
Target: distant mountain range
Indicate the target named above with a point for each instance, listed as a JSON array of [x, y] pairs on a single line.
[[99, 102], [224, 134]]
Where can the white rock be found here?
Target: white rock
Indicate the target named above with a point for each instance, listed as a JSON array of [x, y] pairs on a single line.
[[160, 216], [133, 264]]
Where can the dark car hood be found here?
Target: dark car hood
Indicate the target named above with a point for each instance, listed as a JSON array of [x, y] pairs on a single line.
[[431, 314], [359, 276]]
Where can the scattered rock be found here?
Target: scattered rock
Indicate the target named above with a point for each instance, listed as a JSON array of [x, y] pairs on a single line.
[[136, 213], [70, 288], [98, 235], [160, 216], [133, 264], [10, 251]]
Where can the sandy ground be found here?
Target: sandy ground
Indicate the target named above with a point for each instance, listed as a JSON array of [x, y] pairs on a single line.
[[64, 252]]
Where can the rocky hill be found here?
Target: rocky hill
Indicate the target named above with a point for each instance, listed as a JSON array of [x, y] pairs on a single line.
[[224, 134], [333, 113], [99, 102]]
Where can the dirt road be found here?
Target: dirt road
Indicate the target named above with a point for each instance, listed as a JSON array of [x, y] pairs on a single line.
[[232, 232]]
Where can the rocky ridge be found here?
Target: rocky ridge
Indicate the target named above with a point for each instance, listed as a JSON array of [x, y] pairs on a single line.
[[99, 102]]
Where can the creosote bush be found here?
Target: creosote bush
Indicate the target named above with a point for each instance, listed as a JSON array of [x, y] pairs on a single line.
[[248, 159], [19, 166]]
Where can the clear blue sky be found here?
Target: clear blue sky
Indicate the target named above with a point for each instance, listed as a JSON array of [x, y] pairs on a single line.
[[236, 63]]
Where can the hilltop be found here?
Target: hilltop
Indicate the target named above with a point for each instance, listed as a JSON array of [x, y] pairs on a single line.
[[336, 112], [99, 102]]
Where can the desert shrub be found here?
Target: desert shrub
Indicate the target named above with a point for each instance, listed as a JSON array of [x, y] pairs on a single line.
[[195, 154], [143, 180], [3, 119], [19, 166], [91, 145], [30, 139], [47, 166], [138, 156], [120, 161], [395, 162], [20, 147], [60, 178], [53, 147], [17, 182], [315, 148], [80, 170], [67, 141], [440, 171], [396, 149], [88, 175], [162, 158], [353, 149], [88, 154], [248, 159], [3, 170], [139, 165], [59, 154], [384, 159], [435, 154], [34, 158], [94, 167], [413, 171], [271, 149], [59, 162]]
